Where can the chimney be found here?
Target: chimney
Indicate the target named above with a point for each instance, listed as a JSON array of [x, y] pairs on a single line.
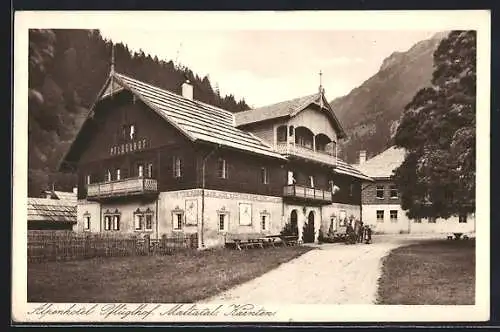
[[362, 157], [187, 90]]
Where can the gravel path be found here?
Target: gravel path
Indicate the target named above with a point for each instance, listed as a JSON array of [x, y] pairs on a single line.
[[330, 274]]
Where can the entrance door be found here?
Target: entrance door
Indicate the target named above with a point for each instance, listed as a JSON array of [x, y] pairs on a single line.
[[308, 234], [294, 229]]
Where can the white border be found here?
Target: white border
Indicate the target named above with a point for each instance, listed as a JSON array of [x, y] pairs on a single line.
[[304, 20]]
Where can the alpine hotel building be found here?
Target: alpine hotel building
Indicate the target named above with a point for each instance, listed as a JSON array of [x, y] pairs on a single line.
[[150, 161]]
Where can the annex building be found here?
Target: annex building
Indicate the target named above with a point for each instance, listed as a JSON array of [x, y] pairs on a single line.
[[381, 203]]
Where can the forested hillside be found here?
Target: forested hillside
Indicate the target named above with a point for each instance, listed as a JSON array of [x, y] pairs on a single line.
[[67, 68]]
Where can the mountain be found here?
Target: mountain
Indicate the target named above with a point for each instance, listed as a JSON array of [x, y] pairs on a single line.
[[67, 68], [370, 113]]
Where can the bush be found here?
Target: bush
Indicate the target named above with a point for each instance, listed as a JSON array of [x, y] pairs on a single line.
[[289, 230], [321, 237]]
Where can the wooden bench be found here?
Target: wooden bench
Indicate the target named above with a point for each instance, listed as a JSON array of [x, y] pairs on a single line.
[[289, 240], [245, 241], [273, 240]]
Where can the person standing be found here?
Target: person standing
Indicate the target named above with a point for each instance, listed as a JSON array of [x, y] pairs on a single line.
[[360, 232]]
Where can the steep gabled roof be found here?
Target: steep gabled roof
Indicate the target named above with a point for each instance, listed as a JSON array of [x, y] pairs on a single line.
[[196, 120], [382, 165], [347, 169], [51, 210], [288, 108]]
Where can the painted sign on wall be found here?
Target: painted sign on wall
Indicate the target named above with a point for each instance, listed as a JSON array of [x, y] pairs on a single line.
[[128, 147], [191, 212], [245, 214]]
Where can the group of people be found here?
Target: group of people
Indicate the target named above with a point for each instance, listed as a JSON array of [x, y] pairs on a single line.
[[359, 232]]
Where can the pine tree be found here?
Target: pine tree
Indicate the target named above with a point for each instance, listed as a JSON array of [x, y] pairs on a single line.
[[67, 68]]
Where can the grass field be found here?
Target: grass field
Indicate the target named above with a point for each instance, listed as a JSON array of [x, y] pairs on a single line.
[[432, 272], [184, 277]]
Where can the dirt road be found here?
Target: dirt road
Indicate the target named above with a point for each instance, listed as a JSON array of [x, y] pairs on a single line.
[[329, 274]]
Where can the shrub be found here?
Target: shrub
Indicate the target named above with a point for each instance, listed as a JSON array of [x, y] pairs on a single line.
[[289, 229]]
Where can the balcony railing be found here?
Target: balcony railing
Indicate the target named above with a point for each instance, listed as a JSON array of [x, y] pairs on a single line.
[[303, 152], [121, 188], [306, 193]]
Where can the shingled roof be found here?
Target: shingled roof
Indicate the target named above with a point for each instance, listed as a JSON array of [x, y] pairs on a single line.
[[51, 210], [196, 120], [61, 195], [347, 169], [287, 108], [382, 165]]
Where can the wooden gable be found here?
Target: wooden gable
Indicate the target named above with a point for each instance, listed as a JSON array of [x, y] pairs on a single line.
[[107, 134]]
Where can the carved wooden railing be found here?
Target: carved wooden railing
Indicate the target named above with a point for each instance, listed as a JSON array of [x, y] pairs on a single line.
[[297, 191], [303, 152], [120, 188]]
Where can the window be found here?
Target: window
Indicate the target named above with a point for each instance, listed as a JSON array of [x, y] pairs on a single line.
[[394, 191], [418, 220], [380, 215], [86, 222], [311, 181], [222, 222], [264, 176], [138, 222], [290, 131], [222, 169], [140, 170], [149, 170], [264, 222], [143, 220], [107, 223], [177, 167], [380, 192], [107, 176], [149, 222], [281, 134], [124, 133], [116, 222], [177, 221], [132, 132], [118, 174], [394, 215], [87, 179], [431, 220], [462, 218], [351, 189], [291, 178]]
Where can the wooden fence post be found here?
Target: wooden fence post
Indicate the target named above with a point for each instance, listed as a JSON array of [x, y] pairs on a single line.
[[147, 244]]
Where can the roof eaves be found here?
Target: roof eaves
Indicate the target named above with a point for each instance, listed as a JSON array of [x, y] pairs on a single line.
[[89, 113], [343, 134]]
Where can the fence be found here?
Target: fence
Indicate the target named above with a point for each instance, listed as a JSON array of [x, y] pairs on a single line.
[[68, 245]]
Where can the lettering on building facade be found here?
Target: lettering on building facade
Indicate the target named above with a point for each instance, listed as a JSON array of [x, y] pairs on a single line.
[[128, 147]]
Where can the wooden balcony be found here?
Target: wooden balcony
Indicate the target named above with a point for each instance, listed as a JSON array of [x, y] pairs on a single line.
[[302, 193], [296, 150], [122, 188]]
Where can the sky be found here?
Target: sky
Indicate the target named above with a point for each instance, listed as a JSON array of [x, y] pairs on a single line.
[[268, 66]]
